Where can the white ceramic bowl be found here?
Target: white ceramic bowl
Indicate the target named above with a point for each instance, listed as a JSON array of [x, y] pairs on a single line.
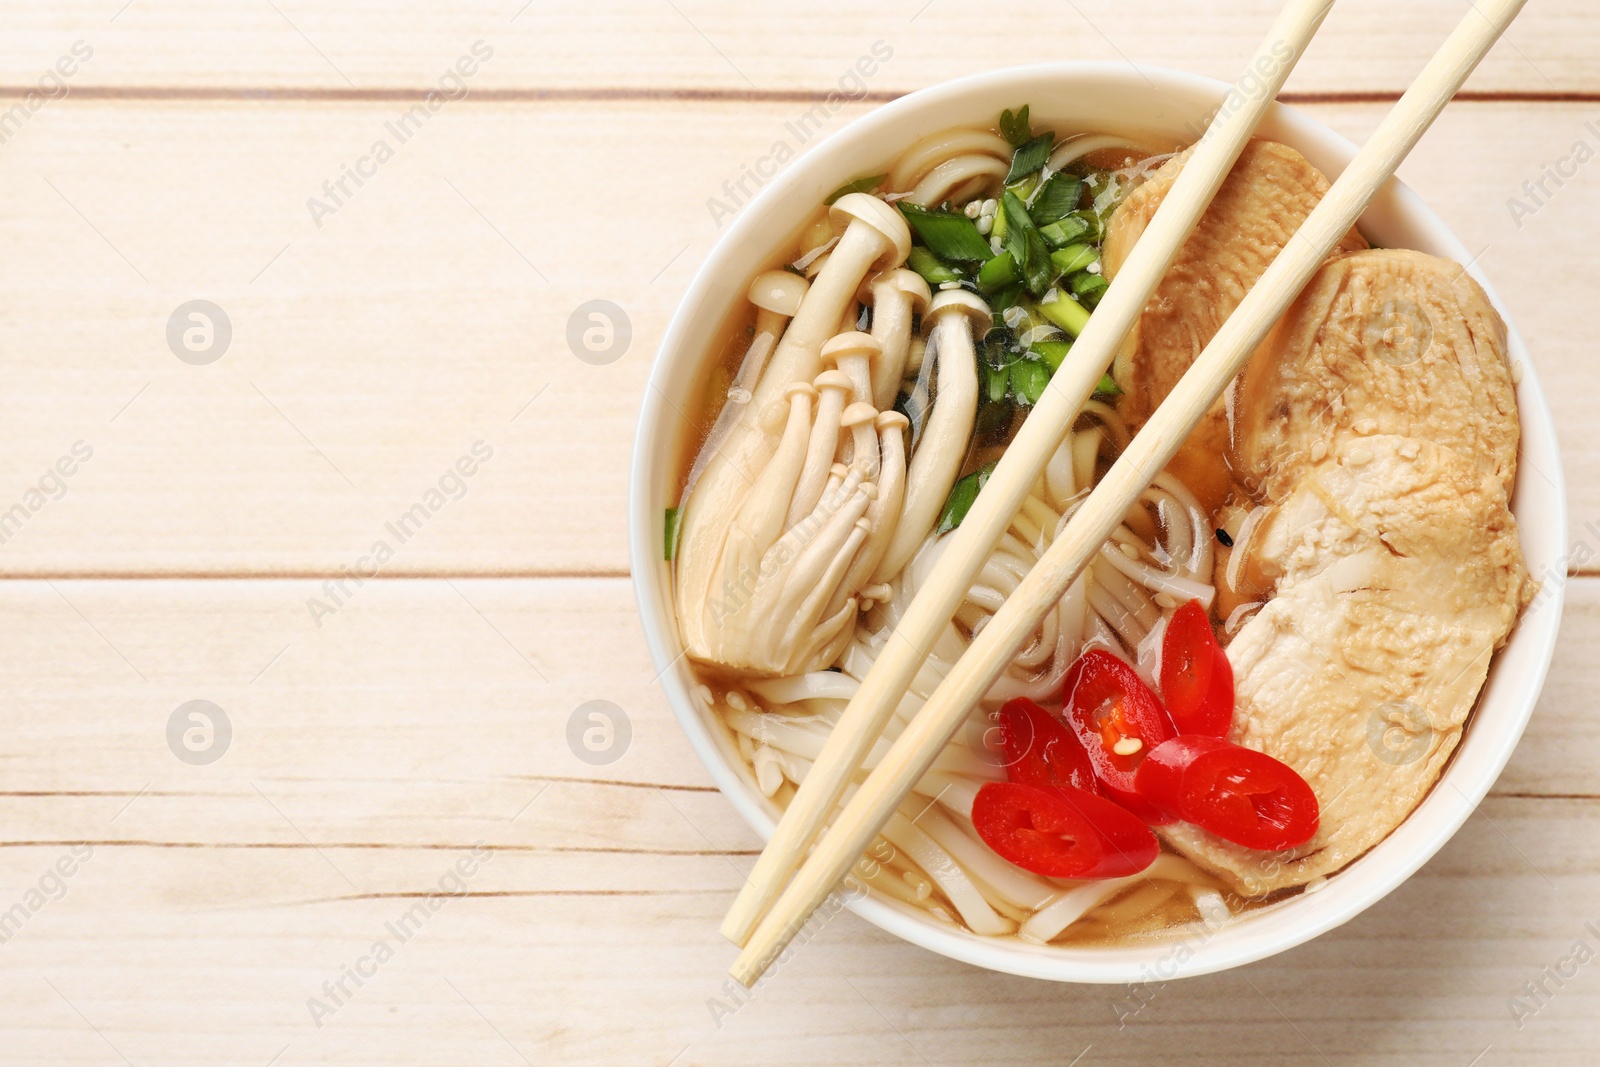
[[1171, 106]]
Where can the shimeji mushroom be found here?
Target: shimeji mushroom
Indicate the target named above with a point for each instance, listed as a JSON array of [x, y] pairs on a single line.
[[895, 296], [842, 480], [721, 619], [883, 512], [836, 391], [956, 320], [772, 621], [776, 295]]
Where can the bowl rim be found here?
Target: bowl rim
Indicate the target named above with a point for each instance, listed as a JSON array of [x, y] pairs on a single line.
[[1275, 929]]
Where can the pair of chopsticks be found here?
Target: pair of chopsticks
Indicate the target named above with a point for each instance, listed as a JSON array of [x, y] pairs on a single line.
[[762, 920]]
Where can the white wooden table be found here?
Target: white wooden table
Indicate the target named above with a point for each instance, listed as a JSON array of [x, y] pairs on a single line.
[[160, 910]]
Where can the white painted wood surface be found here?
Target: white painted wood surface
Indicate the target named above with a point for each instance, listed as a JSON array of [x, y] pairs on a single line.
[[428, 713]]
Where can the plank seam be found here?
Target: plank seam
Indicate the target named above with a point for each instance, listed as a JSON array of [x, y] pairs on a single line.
[[347, 846], [403, 576], [201, 93], [393, 575]]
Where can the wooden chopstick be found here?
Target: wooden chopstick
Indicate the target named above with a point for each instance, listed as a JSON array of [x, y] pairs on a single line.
[[914, 751], [969, 546]]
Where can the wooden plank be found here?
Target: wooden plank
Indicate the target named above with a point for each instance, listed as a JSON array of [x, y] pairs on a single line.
[[368, 756], [430, 312], [363, 45], [204, 956], [424, 713]]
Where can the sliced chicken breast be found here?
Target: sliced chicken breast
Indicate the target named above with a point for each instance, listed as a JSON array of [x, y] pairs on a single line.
[[1262, 202], [1386, 341], [1398, 573]]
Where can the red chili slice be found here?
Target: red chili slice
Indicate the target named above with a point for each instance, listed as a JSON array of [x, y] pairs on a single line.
[[1108, 706], [1040, 750], [1196, 677], [1062, 832], [1237, 793]]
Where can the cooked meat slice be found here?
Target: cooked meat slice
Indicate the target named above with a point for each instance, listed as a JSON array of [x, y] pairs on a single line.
[[1262, 202], [1385, 341], [1413, 498], [1398, 574]]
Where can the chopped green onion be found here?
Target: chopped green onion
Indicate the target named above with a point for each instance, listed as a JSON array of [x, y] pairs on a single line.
[[947, 234], [1059, 196], [1073, 258], [994, 419], [670, 535], [1067, 314], [1009, 223], [998, 273], [1026, 187], [1030, 156], [1088, 288], [1028, 379], [1054, 353], [934, 270], [1095, 229], [1027, 248], [1004, 300], [860, 185], [995, 380], [1065, 231], [994, 350], [1014, 127], [962, 496], [1108, 386], [1037, 266]]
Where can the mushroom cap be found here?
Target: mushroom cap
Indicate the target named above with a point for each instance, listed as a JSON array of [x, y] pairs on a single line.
[[969, 304], [778, 291], [853, 343], [833, 379], [864, 207], [796, 388], [858, 413], [892, 419], [901, 278]]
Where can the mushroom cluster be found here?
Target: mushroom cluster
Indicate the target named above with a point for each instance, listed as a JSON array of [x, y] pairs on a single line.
[[807, 499]]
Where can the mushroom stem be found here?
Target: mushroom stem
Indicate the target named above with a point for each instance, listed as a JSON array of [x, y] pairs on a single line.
[[769, 327], [895, 296], [876, 233], [786, 628], [854, 353], [859, 418], [760, 522], [883, 514], [834, 387], [875, 236], [958, 319]]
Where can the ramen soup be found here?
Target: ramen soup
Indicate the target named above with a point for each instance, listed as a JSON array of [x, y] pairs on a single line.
[[1267, 665]]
